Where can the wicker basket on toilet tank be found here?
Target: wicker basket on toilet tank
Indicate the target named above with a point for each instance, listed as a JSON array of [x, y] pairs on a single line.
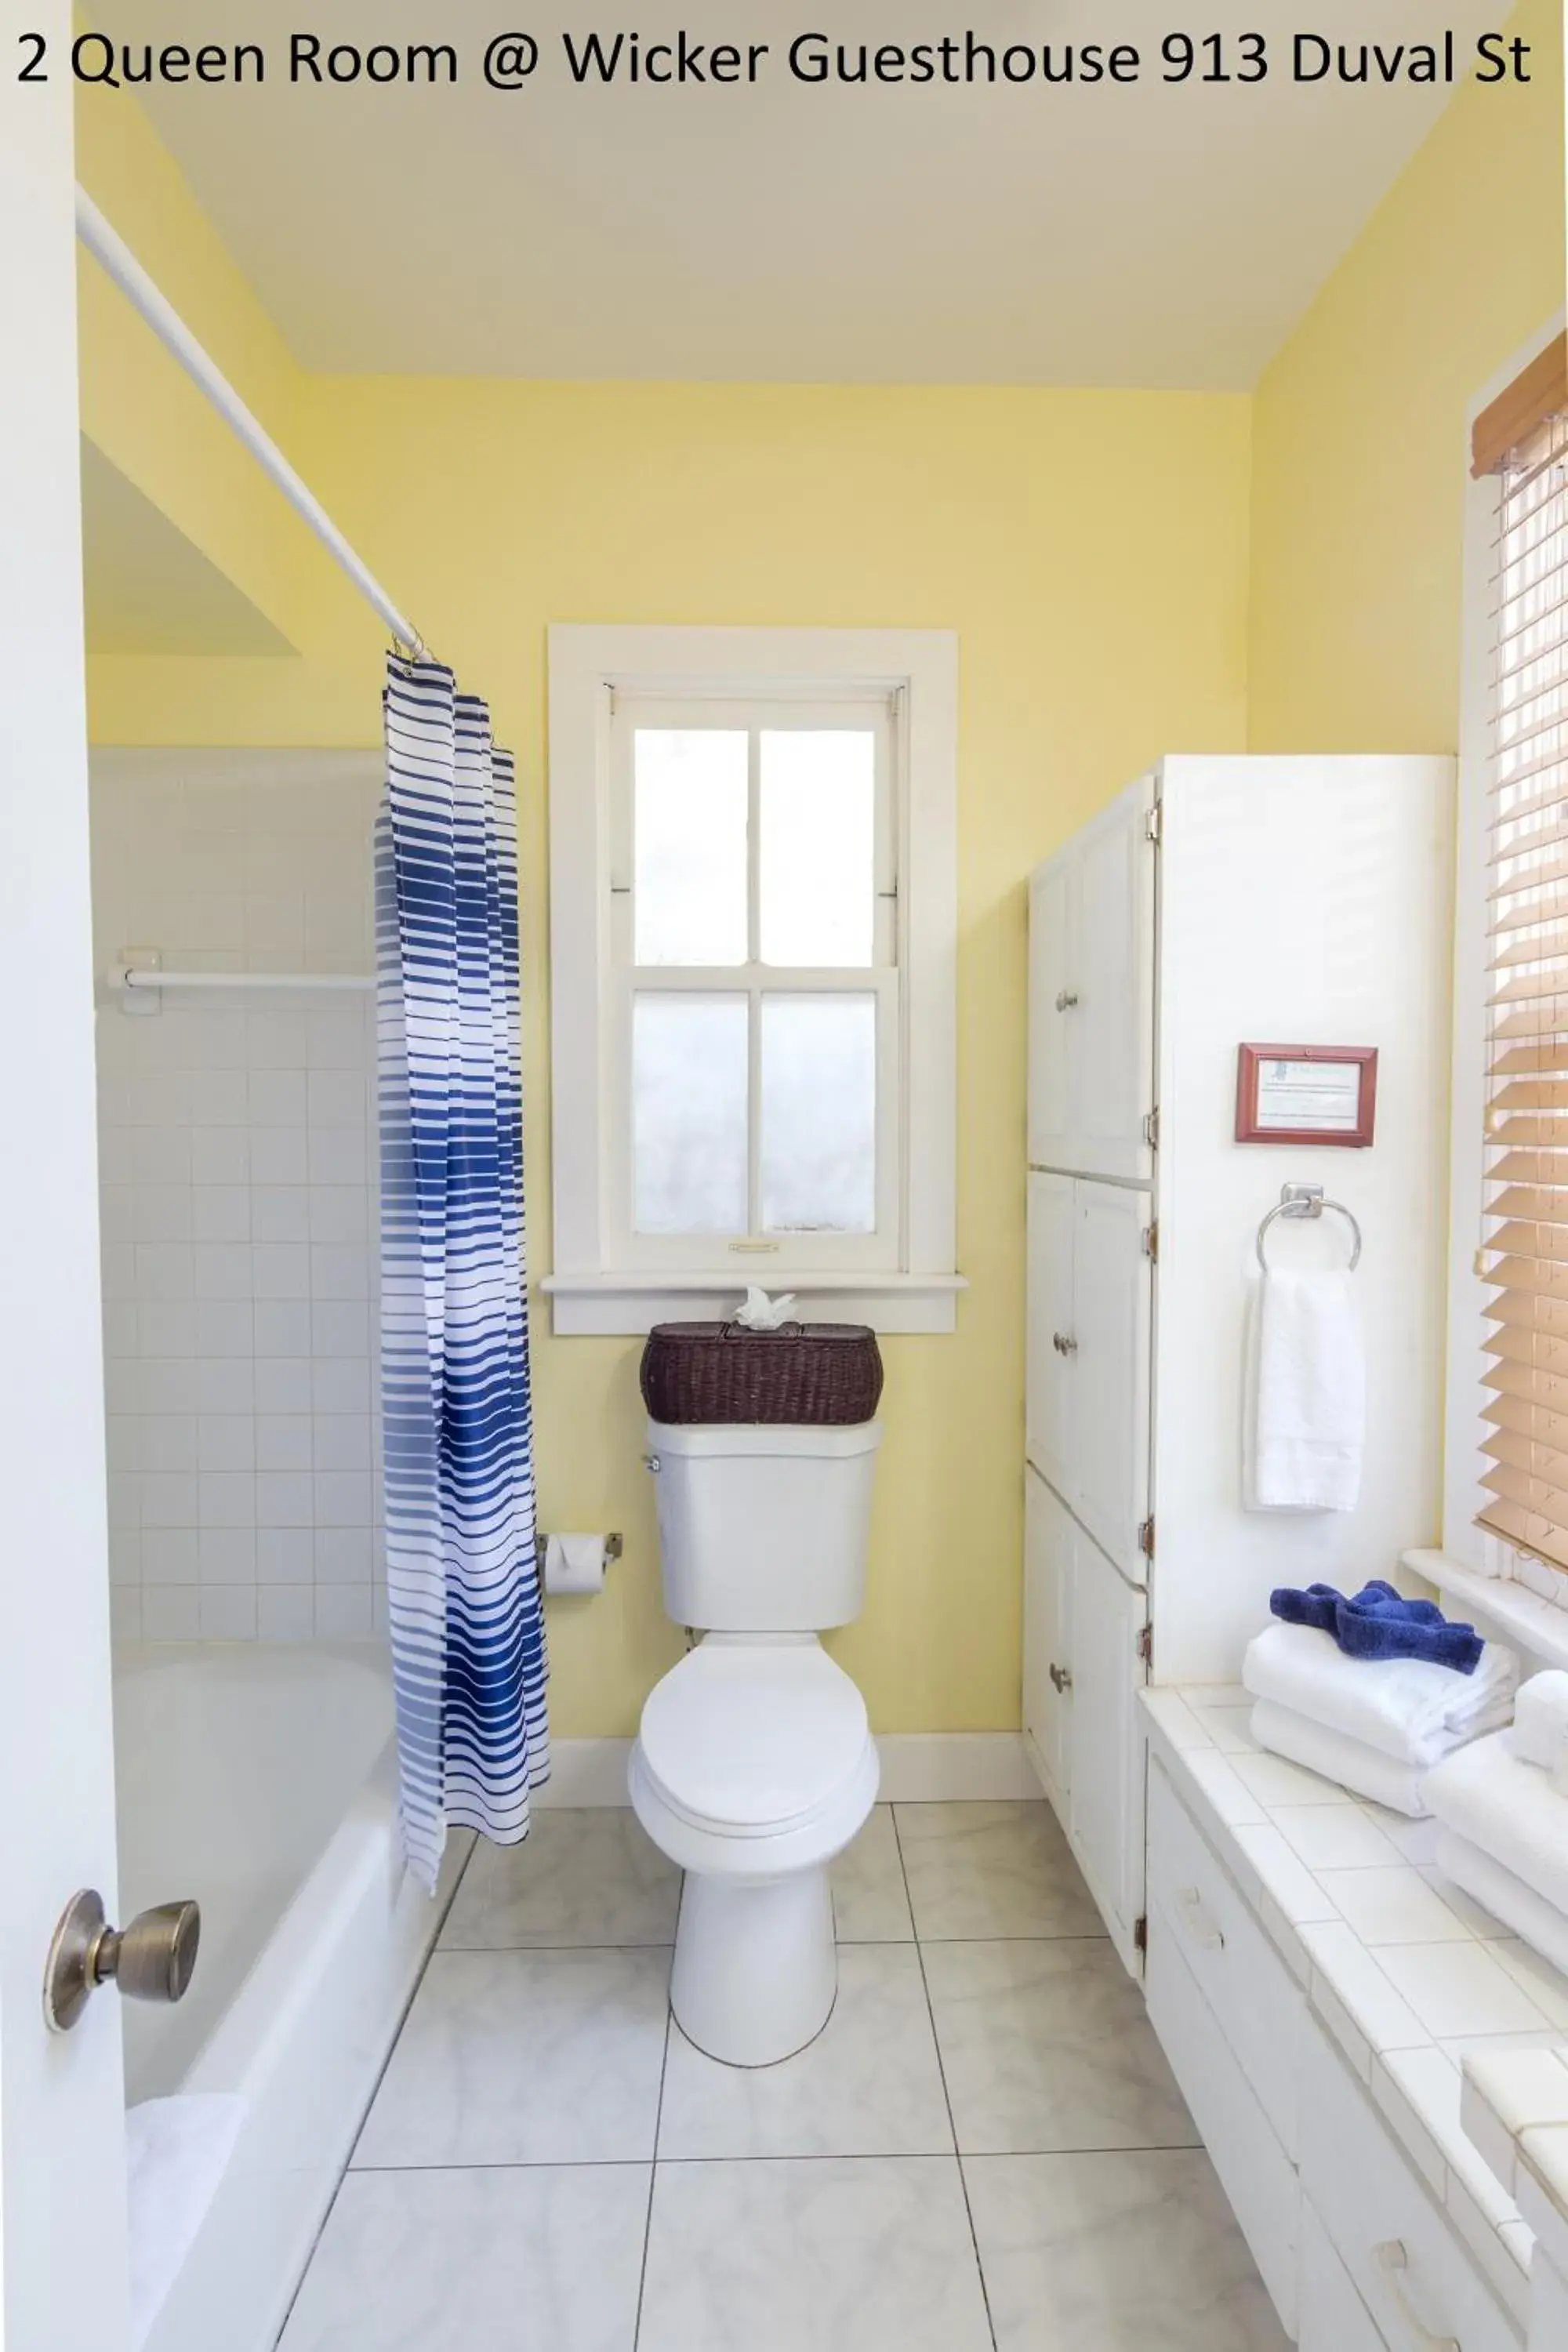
[[814, 1375]]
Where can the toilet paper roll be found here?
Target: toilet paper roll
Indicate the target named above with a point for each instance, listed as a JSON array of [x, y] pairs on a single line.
[[573, 1563]]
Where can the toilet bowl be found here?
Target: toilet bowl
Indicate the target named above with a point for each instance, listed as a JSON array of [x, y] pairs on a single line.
[[754, 1763]]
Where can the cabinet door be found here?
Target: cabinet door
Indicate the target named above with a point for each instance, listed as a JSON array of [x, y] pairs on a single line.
[[1050, 1015], [1112, 1024], [1048, 1372], [1048, 1639], [1106, 1434], [1105, 1765], [1332, 2316]]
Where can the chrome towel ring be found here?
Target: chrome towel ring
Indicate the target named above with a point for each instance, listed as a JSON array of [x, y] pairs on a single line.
[[1307, 1201]]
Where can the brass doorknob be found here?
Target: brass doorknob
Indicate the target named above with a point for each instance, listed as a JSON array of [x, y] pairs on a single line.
[[150, 1958]]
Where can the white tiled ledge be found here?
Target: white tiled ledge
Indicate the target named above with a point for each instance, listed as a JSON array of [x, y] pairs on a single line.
[[1511, 1613], [628, 1303], [1408, 1977], [1515, 2109]]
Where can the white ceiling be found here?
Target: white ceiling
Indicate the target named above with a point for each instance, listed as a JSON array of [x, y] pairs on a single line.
[[1138, 235]]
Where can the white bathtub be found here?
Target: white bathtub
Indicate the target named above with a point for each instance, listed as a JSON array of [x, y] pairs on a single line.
[[260, 1780]]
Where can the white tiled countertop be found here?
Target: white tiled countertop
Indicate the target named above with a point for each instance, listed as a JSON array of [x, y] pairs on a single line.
[[1408, 1974], [1516, 2112]]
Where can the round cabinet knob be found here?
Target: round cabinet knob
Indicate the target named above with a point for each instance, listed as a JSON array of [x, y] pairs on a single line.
[[1062, 1678], [1063, 1345], [150, 1959], [1065, 999]]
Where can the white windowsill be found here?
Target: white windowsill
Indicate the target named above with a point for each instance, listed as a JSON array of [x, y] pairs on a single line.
[[1539, 1626], [627, 1304]]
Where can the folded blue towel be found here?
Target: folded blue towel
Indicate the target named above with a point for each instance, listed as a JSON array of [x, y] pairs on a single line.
[[1379, 1623], [1317, 1606]]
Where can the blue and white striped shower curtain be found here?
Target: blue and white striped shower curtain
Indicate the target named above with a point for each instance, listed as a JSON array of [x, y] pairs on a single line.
[[468, 1628]]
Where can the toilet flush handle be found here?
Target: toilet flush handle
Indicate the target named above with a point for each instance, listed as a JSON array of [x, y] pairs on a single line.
[[651, 1462]]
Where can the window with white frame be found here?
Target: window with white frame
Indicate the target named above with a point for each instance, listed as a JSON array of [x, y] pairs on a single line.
[[753, 926]]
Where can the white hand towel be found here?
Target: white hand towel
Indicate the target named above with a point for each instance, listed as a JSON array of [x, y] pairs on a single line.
[[1402, 1707], [1540, 1720], [1307, 1394], [176, 2152], [1349, 1762], [1510, 1809], [1507, 1898]]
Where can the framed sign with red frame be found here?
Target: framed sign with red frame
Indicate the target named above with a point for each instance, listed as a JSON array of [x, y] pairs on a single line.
[[1306, 1094]]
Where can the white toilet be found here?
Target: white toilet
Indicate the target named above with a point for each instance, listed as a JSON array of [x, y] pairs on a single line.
[[754, 1763]]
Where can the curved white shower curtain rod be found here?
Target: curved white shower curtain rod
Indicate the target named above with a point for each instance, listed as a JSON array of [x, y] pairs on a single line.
[[106, 245]]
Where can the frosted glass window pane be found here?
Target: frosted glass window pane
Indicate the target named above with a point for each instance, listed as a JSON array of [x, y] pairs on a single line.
[[689, 1114], [688, 826], [818, 845], [819, 1114]]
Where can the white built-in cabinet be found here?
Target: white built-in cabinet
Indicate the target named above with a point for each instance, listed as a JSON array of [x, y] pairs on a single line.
[[1090, 1241], [1081, 1629], [1089, 1303], [1092, 976], [1216, 900]]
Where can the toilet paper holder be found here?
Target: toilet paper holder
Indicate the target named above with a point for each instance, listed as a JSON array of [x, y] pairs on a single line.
[[615, 1544]]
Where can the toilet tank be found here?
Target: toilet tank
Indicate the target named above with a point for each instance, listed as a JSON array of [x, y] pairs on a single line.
[[762, 1529]]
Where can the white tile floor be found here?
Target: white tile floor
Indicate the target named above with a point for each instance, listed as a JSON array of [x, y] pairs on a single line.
[[984, 2151]]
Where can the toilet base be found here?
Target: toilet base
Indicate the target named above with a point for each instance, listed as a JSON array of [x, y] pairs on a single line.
[[755, 1966]]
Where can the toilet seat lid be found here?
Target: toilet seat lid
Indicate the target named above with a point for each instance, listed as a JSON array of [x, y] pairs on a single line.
[[753, 1736]]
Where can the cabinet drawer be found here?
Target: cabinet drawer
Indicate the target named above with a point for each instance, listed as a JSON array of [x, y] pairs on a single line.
[[1252, 1993], [1405, 2259], [1253, 2169], [1334, 2317]]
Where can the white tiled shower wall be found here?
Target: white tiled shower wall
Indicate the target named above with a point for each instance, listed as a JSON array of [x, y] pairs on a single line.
[[237, 1158]]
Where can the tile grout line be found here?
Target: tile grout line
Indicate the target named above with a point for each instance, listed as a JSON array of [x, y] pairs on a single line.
[[375, 2092], [837, 2156], [941, 2072], [657, 2125]]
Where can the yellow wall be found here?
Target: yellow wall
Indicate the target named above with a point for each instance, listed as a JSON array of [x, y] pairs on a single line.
[[140, 410], [1091, 549], [1359, 427]]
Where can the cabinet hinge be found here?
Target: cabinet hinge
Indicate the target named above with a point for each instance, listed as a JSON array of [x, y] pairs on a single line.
[[1152, 823], [1152, 1241], [1147, 1538], [1140, 1933], [1152, 1128], [1146, 1643]]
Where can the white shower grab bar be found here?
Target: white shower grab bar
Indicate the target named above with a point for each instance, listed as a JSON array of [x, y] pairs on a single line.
[[108, 247], [140, 976]]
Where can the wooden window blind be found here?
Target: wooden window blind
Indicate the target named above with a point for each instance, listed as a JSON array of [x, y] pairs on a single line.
[[1525, 1205]]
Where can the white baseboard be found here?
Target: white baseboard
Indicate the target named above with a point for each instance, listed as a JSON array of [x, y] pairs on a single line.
[[928, 1767], [918, 1767], [586, 1772]]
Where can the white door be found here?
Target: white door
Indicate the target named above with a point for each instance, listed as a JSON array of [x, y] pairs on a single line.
[[1107, 1415], [62, 2148], [1105, 1749], [1047, 1638], [1114, 978], [1048, 1366], [1051, 1012]]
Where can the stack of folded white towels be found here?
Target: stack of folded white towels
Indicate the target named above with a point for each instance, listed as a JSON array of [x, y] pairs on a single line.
[[1377, 1726], [1503, 1807]]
